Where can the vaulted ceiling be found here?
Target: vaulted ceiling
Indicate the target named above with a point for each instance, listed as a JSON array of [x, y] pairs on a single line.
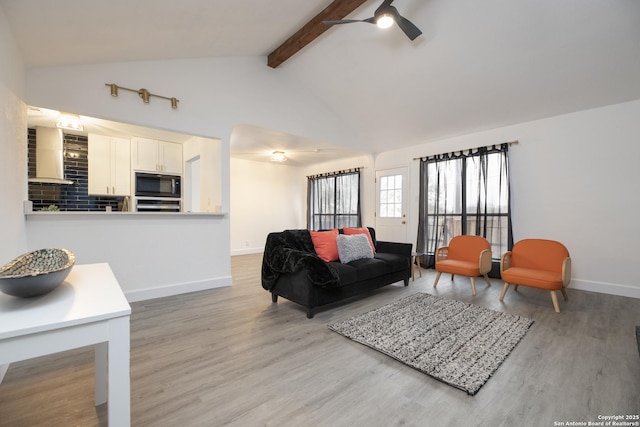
[[478, 64]]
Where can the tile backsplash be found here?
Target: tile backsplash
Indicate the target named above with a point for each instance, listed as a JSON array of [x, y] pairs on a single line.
[[70, 197]]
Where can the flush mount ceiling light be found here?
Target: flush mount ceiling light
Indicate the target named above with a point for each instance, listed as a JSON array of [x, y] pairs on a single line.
[[69, 122], [144, 94], [278, 156]]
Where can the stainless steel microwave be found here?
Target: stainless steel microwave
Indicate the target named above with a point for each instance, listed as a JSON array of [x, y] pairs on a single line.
[[158, 185]]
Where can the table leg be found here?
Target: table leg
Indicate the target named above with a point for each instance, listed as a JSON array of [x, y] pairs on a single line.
[[119, 409], [101, 369]]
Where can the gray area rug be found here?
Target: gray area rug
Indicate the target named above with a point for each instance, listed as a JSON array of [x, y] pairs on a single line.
[[457, 343]]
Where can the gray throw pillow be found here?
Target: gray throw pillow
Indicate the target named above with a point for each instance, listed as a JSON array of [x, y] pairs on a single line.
[[353, 247]]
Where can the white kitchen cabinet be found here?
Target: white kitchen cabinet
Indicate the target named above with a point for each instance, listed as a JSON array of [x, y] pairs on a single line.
[[156, 156], [171, 157], [109, 166]]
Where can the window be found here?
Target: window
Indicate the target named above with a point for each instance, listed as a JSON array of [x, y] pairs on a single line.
[[333, 200], [391, 196], [465, 193]]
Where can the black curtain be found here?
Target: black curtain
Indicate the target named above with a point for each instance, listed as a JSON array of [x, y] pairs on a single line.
[[465, 193], [333, 200]]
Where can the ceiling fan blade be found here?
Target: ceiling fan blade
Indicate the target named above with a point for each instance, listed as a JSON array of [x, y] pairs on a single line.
[[408, 28], [345, 21]]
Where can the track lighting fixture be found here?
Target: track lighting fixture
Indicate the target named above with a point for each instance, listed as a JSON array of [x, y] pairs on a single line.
[[144, 94]]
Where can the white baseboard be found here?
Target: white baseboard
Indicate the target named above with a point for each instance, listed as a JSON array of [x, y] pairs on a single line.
[[605, 288], [177, 289], [247, 251]]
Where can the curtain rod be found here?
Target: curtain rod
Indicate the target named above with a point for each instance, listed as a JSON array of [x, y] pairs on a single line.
[[351, 170], [465, 149]]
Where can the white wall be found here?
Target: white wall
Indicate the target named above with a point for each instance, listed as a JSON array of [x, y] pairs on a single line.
[[209, 187], [265, 197], [13, 145], [215, 95], [574, 179]]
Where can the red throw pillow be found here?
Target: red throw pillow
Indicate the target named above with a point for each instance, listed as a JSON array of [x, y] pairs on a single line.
[[325, 244], [364, 230]]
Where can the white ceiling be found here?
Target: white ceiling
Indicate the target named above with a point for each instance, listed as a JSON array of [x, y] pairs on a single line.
[[478, 65]]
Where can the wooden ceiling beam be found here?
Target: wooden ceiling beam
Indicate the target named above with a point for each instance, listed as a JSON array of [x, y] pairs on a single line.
[[338, 9]]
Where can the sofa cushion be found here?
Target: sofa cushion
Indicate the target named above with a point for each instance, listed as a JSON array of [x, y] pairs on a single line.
[[369, 268], [348, 274], [454, 266], [325, 244], [354, 247], [394, 262], [359, 270], [542, 279]]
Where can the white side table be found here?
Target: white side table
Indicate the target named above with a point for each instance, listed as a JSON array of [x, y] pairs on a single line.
[[89, 308]]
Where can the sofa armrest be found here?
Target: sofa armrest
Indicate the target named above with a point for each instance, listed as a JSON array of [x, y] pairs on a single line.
[[566, 271], [505, 262], [442, 253], [485, 261], [394, 248]]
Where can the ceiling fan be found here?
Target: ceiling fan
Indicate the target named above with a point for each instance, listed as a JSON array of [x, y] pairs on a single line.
[[384, 17]]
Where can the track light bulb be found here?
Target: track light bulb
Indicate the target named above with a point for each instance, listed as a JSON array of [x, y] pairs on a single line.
[[144, 94]]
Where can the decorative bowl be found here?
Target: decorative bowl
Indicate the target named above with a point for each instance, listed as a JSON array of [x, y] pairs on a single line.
[[36, 273]]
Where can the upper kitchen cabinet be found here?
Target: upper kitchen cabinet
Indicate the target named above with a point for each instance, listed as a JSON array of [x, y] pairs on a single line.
[[156, 156], [109, 166]]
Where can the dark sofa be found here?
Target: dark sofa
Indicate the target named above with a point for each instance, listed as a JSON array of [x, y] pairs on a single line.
[[292, 269]]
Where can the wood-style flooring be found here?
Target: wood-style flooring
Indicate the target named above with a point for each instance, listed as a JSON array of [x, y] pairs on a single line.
[[231, 357]]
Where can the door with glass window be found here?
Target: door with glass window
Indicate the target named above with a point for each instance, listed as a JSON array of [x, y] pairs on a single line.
[[391, 205]]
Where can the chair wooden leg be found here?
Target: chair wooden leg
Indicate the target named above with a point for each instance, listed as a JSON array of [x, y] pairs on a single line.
[[504, 290], [437, 278], [473, 286], [564, 293], [554, 298], [486, 278], [452, 276], [515, 288]]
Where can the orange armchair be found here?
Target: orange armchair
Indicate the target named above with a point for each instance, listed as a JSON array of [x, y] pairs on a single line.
[[539, 263], [467, 256]]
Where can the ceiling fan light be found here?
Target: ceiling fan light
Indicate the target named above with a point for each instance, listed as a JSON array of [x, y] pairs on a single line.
[[278, 156], [385, 20]]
